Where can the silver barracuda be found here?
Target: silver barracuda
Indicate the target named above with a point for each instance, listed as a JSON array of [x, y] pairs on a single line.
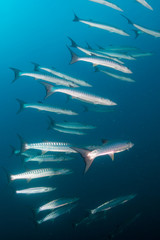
[[61, 202], [108, 148], [35, 190], [122, 78], [56, 213], [43, 107], [49, 147], [43, 77], [52, 71], [79, 95], [68, 131], [143, 29], [47, 158], [101, 26], [116, 54], [40, 173], [145, 4], [108, 4], [113, 203], [99, 61], [70, 125], [91, 52]]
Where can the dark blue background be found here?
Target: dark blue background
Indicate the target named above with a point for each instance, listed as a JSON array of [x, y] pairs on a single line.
[[37, 31]]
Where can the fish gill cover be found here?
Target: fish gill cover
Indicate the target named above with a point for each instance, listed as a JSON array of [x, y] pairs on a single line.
[[79, 88]]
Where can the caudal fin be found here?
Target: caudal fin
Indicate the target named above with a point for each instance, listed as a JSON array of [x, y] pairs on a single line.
[[85, 154], [21, 105], [74, 57], [51, 123], [76, 19], [36, 66], [22, 144], [137, 33], [17, 73], [73, 43], [48, 88]]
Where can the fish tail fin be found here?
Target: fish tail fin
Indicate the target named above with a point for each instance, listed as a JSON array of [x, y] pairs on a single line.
[[21, 105], [136, 33], [13, 149], [74, 57], [129, 21], [17, 73], [22, 144], [76, 19], [48, 88], [51, 123], [88, 46], [35, 222], [85, 154], [7, 175], [96, 69], [73, 43], [36, 66]]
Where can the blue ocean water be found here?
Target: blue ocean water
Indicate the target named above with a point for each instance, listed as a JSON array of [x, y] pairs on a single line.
[[36, 31]]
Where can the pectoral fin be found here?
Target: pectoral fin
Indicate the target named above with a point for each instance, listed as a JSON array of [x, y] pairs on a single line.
[[111, 156], [28, 180]]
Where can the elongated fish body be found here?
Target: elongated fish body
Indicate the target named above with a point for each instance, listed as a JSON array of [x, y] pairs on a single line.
[[113, 203], [145, 54], [101, 26], [62, 75], [43, 77], [123, 78], [47, 158], [146, 30], [109, 148], [108, 4], [40, 173], [50, 147], [44, 107], [74, 125], [68, 131], [142, 29], [145, 4], [35, 190], [82, 96], [61, 202], [57, 212], [100, 61], [116, 54]]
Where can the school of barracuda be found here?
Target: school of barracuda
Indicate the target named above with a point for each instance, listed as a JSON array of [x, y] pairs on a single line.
[[110, 61]]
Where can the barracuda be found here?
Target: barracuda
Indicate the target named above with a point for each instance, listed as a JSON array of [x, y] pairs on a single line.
[[56, 213], [108, 148], [40, 173], [122, 78], [113, 203], [49, 147], [47, 158], [44, 107], [79, 95], [43, 77], [143, 29], [61, 202], [99, 61], [101, 26], [108, 4], [77, 81], [35, 190]]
